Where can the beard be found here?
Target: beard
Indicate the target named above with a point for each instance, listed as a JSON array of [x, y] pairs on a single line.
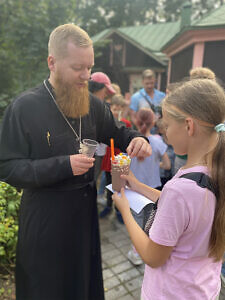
[[73, 101]]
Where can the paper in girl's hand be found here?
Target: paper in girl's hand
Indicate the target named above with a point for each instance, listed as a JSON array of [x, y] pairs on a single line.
[[137, 201]]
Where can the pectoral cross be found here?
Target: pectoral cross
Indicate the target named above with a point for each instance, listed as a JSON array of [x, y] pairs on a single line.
[[48, 138]]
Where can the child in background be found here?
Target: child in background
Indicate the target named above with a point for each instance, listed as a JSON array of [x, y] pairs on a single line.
[[122, 103], [100, 86], [200, 72], [126, 103], [148, 171], [117, 90], [184, 250], [115, 107], [116, 87]]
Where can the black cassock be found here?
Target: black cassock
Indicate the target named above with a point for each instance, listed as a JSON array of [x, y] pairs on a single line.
[[58, 251]]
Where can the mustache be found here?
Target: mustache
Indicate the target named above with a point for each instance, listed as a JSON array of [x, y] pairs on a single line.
[[85, 83]]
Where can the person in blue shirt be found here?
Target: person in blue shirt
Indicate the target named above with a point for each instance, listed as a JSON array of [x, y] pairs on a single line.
[[148, 96]]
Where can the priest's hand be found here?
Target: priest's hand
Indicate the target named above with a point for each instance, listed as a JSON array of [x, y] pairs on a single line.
[[139, 147], [80, 163]]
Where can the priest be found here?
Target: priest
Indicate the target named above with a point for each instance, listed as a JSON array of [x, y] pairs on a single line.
[[58, 251]]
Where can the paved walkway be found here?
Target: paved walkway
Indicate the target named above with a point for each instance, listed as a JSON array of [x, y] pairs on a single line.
[[122, 280]]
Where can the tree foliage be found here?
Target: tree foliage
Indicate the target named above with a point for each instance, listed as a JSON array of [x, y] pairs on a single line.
[[97, 15], [25, 27], [171, 9], [9, 207], [24, 31]]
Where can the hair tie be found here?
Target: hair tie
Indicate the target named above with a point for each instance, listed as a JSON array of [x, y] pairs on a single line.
[[220, 127]]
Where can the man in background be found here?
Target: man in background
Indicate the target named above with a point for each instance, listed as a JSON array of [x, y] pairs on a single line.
[[148, 96]]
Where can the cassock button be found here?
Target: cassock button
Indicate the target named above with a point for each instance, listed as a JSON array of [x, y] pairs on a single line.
[[85, 176], [85, 194]]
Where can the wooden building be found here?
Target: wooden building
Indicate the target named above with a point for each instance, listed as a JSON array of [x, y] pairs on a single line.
[[127, 52], [170, 49], [198, 44]]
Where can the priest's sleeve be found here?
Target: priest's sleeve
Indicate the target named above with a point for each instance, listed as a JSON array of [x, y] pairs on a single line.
[[17, 167]]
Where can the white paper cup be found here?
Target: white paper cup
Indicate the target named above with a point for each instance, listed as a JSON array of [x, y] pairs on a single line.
[[88, 147]]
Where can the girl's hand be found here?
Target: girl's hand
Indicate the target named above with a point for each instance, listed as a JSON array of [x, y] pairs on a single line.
[[131, 180], [121, 201]]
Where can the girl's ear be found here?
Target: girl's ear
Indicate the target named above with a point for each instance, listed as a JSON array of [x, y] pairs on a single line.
[[190, 126]]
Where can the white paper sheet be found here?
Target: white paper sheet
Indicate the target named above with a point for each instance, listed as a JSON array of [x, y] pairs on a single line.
[[137, 201]]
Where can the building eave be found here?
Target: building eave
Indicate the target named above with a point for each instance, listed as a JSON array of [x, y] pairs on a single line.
[[134, 43], [193, 35]]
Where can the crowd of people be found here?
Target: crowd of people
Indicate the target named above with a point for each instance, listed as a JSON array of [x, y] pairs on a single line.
[[176, 142]]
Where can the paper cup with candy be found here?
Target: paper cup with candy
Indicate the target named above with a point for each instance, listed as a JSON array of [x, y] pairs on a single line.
[[120, 165]]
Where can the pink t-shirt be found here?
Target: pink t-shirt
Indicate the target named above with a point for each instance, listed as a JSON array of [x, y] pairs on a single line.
[[184, 220]]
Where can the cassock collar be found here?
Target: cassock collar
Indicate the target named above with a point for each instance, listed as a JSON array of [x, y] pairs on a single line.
[[49, 85]]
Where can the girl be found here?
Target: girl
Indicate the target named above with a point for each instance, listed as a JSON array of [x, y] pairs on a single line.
[[184, 250], [148, 171]]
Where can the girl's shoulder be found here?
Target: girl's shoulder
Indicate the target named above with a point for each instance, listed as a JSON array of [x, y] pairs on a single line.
[[186, 187]]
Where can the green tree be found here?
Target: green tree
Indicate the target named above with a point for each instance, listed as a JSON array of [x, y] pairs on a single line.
[[9, 208], [201, 7], [97, 15], [25, 27], [170, 9], [24, 31]]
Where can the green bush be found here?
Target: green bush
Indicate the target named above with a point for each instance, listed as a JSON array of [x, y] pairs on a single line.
[[9, 207]]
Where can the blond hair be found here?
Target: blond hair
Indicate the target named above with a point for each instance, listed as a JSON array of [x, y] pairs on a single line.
[[204, 100], [202, 73], [148, 73], [118, 99], [62, 35], [116, 87]]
